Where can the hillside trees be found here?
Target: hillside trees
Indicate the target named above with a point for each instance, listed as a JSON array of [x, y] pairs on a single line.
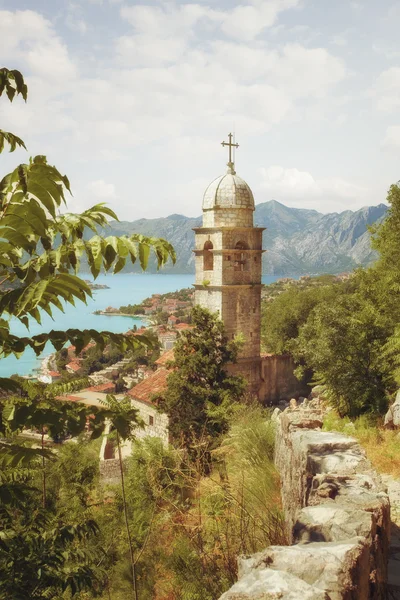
[[283, 317], [342, 342], [386, 239], [347, 335], [40, 254]]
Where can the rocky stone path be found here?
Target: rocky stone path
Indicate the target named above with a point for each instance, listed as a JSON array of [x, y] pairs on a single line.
[[393, 486]]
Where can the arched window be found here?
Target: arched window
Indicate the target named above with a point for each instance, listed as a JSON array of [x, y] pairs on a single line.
[[208, 258], [240, 257]]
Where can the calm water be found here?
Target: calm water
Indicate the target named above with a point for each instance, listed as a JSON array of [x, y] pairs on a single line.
[[124, 289]]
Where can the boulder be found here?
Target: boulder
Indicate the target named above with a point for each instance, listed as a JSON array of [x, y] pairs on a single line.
[[275, 414], [317, 391], [331, 523], [392, 417], [338, 569], [271, 584]]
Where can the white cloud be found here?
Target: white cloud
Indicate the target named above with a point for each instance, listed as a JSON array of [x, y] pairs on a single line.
[[392, 138], [144, 51], [173, 75], [388, 51], [101, 190], [387, 90], [243, 22], [246, 22], [78, 25], [167, 20], [294, 187], [28, 37]]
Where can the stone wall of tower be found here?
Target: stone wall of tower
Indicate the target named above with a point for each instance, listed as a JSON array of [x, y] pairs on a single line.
[[228, 217], [241, 316], [228, 255], [232, 288]]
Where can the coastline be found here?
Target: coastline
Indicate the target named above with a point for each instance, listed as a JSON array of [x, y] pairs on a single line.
[[118, 314], [124, 288]]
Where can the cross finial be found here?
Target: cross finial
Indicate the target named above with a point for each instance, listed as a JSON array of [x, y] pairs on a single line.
[[231, 145]]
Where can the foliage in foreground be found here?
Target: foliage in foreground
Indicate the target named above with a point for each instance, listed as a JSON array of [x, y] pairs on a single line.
[[187, 529], [41, 553]]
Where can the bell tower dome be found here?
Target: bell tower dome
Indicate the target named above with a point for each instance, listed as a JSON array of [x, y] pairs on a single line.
[[228, 265]]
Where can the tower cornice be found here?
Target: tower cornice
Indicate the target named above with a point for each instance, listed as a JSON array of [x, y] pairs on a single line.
[[225, 286], [255, 251], [225, 228]]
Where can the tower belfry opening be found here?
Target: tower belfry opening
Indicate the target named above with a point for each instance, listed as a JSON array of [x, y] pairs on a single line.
[[228, 264]]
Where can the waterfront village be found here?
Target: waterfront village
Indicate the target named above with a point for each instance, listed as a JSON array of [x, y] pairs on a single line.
[[141, 375]]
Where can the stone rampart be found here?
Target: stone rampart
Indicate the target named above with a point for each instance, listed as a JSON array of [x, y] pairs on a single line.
[[338, 519], [278, 381]]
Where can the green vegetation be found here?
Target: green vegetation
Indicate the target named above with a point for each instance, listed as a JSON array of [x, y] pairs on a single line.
[[200, 394], [131, 309], [168, 531], [183, 295], [185, 529], [346, 335], [43, 554]]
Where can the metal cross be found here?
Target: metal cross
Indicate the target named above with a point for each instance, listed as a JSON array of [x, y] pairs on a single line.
[[231, 145]]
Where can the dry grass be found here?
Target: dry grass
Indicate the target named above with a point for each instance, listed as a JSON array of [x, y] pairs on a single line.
[[381, 446]]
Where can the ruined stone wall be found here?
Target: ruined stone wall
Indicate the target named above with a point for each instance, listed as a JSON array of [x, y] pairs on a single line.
[[155, 422], [110, 471], [278, 381], [338, 519]]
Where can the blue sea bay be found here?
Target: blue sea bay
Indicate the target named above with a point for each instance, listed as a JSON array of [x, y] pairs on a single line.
[[124, 288]]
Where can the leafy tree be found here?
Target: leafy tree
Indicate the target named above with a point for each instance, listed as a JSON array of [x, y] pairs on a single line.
[[342, 342], [200, 393], [40, 254], [385, 236], [386, 239], [286, 313]]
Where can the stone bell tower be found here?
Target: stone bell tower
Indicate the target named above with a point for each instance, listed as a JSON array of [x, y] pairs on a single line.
[[228, 265]]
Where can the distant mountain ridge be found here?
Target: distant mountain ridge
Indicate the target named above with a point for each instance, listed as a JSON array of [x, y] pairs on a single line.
[[298, 241]]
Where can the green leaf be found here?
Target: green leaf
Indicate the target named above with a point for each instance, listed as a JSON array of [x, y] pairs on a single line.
[[12, 140], [144, 253]]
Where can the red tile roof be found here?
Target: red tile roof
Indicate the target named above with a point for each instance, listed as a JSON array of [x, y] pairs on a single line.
[[167, 334], [141, 331], [69, 398], [164, 358], [181, 326], [74, 366], [101, 387], [71, 349], [156, 383], [54, 374]]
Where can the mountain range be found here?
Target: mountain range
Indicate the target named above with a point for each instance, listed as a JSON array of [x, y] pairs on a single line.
[[298, 241]]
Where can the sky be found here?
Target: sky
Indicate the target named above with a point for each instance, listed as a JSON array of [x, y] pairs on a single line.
[[132, 99]]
